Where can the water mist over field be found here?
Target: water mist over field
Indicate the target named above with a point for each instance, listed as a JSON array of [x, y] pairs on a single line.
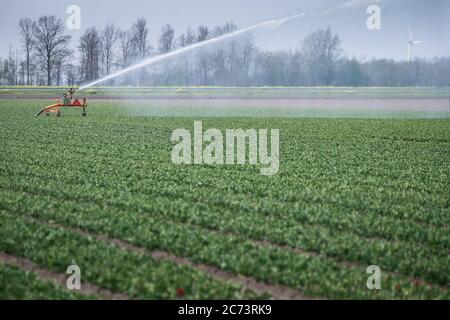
[[271, 24]]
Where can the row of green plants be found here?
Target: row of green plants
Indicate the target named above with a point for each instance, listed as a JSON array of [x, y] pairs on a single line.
[[16, 283], [108, 266], [413, 259], [316, 276]]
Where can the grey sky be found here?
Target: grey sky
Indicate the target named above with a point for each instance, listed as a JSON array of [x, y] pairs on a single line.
[[429, 19]]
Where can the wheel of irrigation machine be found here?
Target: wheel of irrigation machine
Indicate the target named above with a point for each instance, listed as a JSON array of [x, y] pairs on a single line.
[[83, 114], [58, 114]]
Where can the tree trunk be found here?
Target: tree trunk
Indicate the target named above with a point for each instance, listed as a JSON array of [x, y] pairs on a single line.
[[28, 67], [49, 79]]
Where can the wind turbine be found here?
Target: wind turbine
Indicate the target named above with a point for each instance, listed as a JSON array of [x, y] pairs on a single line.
[[411, 44]]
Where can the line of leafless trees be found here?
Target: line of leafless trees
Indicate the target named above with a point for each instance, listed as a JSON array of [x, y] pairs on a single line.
[[46, 58], [45, 53]]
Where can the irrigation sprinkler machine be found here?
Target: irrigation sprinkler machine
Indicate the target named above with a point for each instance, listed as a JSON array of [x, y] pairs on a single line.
[[67, 101]]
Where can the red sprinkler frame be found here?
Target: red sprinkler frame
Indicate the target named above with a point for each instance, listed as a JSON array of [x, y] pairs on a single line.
[[67, 101]]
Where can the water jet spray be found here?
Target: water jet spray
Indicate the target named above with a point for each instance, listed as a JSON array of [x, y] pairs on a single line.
[[152, 60], [267, 24]]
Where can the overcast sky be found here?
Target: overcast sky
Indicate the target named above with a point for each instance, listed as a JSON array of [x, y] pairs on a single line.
[[429, 20]]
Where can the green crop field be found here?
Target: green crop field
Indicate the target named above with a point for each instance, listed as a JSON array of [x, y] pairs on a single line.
[[102, 192]]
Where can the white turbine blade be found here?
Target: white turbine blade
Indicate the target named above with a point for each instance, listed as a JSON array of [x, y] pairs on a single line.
[[410, 34], [417, 42]]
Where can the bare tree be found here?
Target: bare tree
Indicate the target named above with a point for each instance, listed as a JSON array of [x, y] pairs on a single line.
[[127, 48], [10, 69], [181, 42], [321, 50], [190, 36], [49, 40], [166, 39], [5, 71], [185, 65], [109, 39], [61, 58], [203, 33], [140, 34], [203, 56], [90, 47], [247, 52], [27, 33], [1, 71], [22, 72], [70, 73]]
